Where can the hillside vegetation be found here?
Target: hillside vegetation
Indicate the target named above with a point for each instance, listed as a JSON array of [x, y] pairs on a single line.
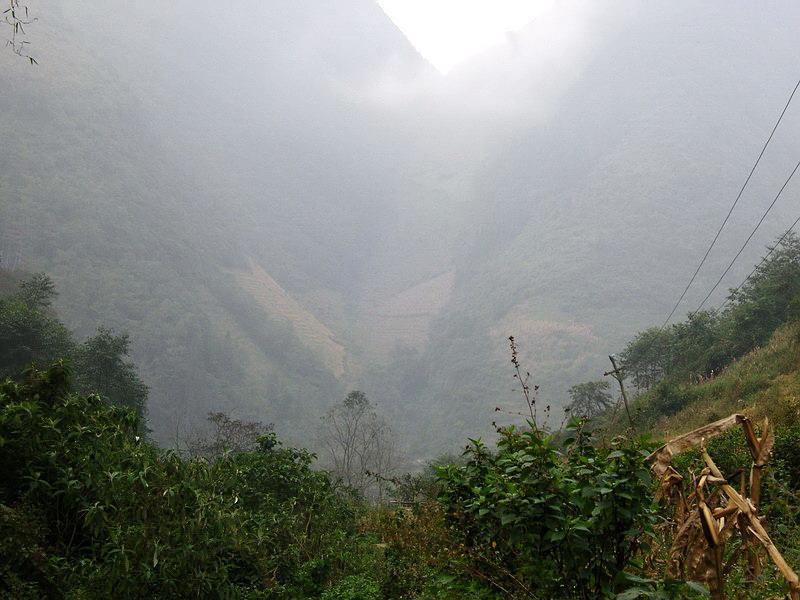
[[260, 267], [91, 507], [402, 224], [763, 383], [740, 358]]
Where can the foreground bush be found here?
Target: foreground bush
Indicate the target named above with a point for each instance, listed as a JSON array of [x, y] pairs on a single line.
[[90, 510], [536, 520]]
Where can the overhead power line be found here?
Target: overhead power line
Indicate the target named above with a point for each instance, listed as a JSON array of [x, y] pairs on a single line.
[[763, 260], [735, 202], [749, 237]]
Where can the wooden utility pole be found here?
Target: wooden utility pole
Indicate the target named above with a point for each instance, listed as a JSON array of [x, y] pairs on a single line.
[[617, 374]]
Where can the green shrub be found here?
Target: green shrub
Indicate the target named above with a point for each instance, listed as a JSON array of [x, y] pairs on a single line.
[[668, 398], [536, 520], [354, 587], [642, 588], [89, 508], [786, 455], [25, 571]]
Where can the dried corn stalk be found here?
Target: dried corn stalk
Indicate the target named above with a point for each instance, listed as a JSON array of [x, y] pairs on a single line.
[[707, 517]]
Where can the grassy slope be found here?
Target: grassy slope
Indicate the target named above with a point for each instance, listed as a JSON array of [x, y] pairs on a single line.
[[765, 382]]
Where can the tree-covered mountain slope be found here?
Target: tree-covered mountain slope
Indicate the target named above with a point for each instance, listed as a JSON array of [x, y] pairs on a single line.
[[282, 200]]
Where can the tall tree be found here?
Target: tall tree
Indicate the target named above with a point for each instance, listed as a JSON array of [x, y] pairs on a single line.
[[102, 367], [227, 435], [770, 297], [360, 445], [589, 399], [647, 358], [38, 291], [31, 334], [29, 331]]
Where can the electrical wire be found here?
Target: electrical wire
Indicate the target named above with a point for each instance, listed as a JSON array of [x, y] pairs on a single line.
[[749, 237], [763, 260], [735, 202]]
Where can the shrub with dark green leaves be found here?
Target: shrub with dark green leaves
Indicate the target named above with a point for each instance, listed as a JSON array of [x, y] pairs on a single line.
[[553, 522], [786, 455], [89, 509], [354, 587], [668, 398]]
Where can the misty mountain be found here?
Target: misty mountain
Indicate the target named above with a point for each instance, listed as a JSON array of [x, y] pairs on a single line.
[[282, 201]]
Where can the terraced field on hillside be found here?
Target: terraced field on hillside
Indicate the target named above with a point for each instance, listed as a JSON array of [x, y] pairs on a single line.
[[276, 301]]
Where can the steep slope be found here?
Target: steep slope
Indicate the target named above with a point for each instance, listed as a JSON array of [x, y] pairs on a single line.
[[311, 332], [401, 224], [141, 184], [764, 383]]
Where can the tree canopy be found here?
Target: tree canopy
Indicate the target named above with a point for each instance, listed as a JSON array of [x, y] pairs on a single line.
[[32, 334], [709, 340]]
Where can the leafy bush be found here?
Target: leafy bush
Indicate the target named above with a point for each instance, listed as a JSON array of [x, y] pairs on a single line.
[[416, 547], [642, 588], [354, 587], [668, 398], [539, 521], [90, 509], [786, 455]]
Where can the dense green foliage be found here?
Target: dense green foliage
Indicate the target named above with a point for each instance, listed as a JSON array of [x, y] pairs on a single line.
[[31, 333], [560, 523], [89, 509]]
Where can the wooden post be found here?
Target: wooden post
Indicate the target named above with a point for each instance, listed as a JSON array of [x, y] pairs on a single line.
[[617, 374]]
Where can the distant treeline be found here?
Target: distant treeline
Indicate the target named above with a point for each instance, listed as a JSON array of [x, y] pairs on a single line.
[[709, 340]]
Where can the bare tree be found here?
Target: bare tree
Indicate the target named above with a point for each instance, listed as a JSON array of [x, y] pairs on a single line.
[[227, 435], [360, 445]]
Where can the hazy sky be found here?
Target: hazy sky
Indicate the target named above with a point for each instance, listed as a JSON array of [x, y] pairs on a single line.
[[448, 31]]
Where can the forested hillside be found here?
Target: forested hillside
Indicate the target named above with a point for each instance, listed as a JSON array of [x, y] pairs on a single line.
[[288, 313], [282, 201], [89, 507]]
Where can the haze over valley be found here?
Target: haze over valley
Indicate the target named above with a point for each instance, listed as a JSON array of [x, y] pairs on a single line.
[[283, 201]]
